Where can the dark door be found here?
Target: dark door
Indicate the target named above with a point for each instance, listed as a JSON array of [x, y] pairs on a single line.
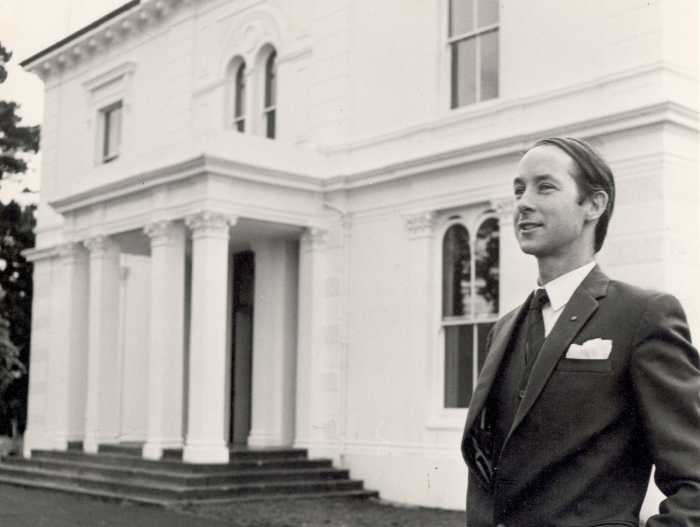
[[242, 346]]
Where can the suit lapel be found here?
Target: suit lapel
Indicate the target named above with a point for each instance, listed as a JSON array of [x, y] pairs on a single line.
[[580, 308], [499, 344]]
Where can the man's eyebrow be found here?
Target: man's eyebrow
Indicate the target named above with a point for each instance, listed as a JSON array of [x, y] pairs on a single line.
[[537, 178]]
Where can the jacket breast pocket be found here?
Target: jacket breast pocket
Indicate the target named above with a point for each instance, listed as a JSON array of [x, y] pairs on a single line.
[[584, 365]]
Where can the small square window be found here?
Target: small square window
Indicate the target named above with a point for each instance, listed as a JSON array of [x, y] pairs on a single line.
[[111, 130]]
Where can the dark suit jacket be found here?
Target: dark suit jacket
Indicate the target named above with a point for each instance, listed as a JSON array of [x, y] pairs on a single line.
[[583, 441]]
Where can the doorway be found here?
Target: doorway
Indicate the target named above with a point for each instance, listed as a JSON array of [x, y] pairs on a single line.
[[241, 346]]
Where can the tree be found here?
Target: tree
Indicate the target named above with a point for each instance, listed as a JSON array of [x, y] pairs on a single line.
[[14, 139], [16, 234]]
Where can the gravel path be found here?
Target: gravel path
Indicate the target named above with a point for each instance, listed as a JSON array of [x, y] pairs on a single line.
[[327, 512], [23, 507]]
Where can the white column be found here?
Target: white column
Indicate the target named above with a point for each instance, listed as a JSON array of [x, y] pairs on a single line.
[[311, 410], [103, 369], [68, 354], [274, 343], [208, 397], [166, 345]]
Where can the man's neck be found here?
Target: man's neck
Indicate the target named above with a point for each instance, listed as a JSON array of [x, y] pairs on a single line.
[[551, 268]]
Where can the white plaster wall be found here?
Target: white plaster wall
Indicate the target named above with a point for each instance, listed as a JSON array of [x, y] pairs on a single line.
[[544, 46]]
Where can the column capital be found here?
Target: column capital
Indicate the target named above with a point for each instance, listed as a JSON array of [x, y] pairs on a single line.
[[98, 245], [420, 225], [160, 232], [314, 238], [67, 252], [504, 208], [208, 223]]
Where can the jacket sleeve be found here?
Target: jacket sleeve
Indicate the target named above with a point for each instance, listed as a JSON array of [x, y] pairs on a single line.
[[665, 370]]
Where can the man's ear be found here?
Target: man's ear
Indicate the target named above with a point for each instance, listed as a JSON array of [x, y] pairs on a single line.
[[597, 204]]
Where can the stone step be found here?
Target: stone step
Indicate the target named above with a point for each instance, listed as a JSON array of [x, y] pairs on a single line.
[[121, 460], [160, 491], [184, 477], [120, 496], [135, 449]]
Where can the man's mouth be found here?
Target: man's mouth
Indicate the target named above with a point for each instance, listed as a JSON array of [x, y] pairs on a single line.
[[527, 226]]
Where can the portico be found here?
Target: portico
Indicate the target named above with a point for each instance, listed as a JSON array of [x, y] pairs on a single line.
[[149, 346]]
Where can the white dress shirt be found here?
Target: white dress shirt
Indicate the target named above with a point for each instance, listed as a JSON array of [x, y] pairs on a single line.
[[559, 292]]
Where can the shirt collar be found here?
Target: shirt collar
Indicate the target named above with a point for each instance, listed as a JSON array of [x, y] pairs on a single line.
[[562, 288]]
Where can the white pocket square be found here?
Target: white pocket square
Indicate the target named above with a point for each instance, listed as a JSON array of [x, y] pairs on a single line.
[[594, 349]]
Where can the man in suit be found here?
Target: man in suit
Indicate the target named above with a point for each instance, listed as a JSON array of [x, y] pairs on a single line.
[[587, 384]]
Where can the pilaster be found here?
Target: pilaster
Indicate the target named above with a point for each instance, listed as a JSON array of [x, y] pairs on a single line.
[[315, 415], [274, 343]]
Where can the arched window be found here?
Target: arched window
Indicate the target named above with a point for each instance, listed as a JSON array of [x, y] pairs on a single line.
[[239, 98], [470, 284], [270, 100]]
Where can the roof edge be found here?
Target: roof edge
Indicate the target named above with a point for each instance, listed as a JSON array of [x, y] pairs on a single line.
[[80, 32]]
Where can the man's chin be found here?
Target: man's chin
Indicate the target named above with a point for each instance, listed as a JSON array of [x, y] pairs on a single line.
[[528, 247]]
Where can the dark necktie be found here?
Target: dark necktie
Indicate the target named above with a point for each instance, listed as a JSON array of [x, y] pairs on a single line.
[[535, 327]]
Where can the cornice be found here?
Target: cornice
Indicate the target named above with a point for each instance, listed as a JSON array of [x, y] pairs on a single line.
[[106, 32], [660, 112], [203, 164]]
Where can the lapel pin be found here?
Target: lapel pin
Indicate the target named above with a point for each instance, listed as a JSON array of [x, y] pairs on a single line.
[[573, 318]]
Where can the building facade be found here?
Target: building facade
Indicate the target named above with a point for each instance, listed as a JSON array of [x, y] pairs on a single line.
[[277, 222]]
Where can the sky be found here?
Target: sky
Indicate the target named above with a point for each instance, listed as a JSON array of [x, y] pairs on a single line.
[[28, 26]]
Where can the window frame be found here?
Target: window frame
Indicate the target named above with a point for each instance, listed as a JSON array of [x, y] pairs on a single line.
[[240, 88], [269, 92], [105, 119], [453, 40], [472, 217]]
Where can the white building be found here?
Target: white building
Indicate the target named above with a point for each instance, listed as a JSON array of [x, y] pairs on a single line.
[[305, 203]]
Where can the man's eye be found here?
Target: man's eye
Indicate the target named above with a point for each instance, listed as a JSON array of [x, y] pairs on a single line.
[[545, 187], [518, 191]]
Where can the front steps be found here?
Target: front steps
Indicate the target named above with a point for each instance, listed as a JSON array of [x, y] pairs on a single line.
[[118, 472]]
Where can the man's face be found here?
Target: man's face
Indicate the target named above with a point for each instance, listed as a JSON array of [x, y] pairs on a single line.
[[548, 218]]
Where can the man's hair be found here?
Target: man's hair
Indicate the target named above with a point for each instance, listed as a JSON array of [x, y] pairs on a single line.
[[592, 174]]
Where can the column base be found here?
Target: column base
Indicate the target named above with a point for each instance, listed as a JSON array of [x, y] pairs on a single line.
[[60, 443], [261, 439], [90, 445], [154, 449], [205, 453]]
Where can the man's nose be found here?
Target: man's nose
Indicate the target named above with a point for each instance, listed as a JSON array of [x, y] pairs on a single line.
[[524, 202]]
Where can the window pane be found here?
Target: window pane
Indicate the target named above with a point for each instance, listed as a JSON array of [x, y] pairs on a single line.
[[461, 16], [463, 72], [456, 285], [482, 334], [240, 92], [486, 256], [271, 80], [270, 124], [487, 12], [112, 123], [459, 365], [489, 65]]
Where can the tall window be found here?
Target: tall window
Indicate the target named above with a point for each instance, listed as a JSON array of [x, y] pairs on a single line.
[[239, 99], [473, 41], [270, 101], [111, 119], [470, 281]]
